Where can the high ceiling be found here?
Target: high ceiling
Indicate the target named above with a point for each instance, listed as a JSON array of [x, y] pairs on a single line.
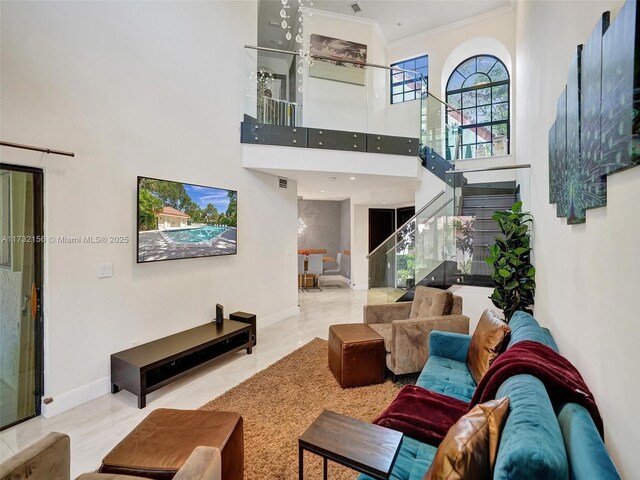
[[363, 189], [396, 18]]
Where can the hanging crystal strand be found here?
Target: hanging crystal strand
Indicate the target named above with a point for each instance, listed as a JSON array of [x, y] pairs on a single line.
[[299, 41]]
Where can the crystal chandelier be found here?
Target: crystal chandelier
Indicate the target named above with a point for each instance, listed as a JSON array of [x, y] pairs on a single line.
[[265, 79], [286, 25]]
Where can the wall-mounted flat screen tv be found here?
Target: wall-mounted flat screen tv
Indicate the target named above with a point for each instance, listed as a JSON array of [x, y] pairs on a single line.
[[180, 220]]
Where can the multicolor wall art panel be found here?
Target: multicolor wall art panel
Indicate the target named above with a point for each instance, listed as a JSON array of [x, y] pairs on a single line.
[[597, 126], [558, 169], [594, 187]]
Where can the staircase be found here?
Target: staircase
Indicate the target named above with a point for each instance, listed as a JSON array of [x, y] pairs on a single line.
[[449, 238], [477, 203]]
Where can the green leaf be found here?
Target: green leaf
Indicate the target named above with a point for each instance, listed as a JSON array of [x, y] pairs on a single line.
[[516, 207], [512, 285], [515, 262], [531, 272], [504, 273]]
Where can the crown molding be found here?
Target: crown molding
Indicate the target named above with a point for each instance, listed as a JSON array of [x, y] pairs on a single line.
[[340, 16]]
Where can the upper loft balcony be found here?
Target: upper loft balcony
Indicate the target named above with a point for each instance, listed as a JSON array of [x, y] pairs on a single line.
[[333, 112]]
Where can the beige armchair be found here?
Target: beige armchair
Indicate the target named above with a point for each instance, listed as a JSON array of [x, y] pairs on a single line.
[[405, 326], [49, 459]]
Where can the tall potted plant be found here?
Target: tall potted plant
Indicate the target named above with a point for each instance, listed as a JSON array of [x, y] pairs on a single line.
[[510, 257]]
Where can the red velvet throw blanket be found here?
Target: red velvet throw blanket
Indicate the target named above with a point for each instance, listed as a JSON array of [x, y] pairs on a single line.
[[562, 380], [427, 416], [422, 414]]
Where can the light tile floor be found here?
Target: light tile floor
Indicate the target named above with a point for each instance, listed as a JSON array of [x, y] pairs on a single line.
[[97, 426]]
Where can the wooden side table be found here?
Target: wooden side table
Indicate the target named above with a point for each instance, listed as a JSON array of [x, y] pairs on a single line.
[[362, 446]]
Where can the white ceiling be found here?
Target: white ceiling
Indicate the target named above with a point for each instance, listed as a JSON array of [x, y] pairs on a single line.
[[396, 18], [364, 190]]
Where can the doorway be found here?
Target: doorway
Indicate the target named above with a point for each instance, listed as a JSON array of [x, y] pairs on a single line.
[[381, 226], [21, 261], [403, 215]]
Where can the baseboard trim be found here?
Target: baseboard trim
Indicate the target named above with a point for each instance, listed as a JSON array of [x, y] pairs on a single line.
[[276, 317], [67, 401]]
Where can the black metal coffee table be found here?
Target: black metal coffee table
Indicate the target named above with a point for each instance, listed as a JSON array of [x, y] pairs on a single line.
[[362, 446]]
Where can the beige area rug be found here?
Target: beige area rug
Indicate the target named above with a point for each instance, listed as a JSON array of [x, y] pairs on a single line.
[[280, 402]]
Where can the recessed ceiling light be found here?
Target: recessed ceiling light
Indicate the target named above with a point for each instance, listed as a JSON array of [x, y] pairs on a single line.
[[384, 203], [321, 191], [352, 178]]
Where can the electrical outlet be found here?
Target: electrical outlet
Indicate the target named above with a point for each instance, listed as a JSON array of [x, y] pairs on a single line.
[[105, 270]]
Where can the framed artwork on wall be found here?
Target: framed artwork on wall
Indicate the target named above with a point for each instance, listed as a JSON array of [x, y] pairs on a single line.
[[597, 128], [558, 173], [574, 181], [621, 91], [333, 59], [594, 180], [553, 147]]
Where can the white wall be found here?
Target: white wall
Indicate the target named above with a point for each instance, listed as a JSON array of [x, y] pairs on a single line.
[[345, 237], [343, 106], [429, 187], [278, 159], [359, 246], [587, 275], [133, 88], [475, 300]]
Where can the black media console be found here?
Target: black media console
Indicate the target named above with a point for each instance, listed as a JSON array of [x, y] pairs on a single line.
[[147, 367]]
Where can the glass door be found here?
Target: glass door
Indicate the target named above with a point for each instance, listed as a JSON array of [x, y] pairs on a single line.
[[21, 337]]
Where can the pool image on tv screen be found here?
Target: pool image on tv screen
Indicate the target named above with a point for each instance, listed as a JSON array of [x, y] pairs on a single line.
[[181, 220]]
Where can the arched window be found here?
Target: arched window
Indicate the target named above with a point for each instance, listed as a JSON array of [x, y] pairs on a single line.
[[479, 89]]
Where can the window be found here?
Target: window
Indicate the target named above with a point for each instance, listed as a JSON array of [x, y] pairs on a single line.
[[406, 86], [479, 89]]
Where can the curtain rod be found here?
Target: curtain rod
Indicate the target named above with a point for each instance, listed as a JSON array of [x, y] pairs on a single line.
[[37, 149]]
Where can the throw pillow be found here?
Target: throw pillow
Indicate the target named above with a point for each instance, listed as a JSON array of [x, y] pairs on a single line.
[[486, 342], [470, 447], [431, 302]]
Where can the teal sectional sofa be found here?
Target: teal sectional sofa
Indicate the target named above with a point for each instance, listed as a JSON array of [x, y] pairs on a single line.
[[539, 440]]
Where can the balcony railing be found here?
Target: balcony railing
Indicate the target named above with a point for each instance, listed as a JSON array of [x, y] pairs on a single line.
[[272, 111]]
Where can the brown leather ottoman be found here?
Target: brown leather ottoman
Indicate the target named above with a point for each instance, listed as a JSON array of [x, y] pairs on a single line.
[[356, 355], [161, 443]]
